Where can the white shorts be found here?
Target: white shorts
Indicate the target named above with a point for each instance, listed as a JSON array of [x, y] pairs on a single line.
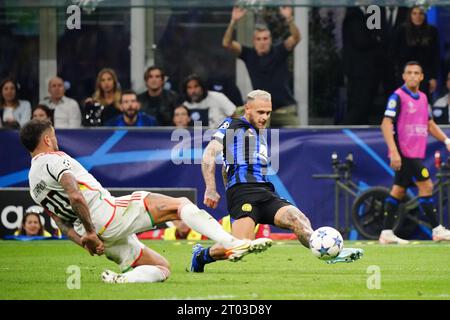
[[117, 220]]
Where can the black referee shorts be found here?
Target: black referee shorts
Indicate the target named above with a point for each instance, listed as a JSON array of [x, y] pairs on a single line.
[[412, 170], [255, 200]]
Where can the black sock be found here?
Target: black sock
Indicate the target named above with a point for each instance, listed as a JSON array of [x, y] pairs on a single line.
[[427, 205], [390, 212]]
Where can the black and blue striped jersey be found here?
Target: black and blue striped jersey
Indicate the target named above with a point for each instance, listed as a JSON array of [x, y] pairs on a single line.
[[245, 151]]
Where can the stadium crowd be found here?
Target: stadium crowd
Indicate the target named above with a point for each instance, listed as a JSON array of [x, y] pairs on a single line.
[[372, 60]]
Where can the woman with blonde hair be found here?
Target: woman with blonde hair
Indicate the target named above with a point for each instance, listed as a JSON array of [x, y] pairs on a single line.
[[105, 103]]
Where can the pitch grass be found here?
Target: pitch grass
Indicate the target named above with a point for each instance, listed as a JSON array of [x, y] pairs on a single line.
[[38, 270]]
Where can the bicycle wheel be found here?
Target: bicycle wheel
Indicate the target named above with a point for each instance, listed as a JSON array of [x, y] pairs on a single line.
[[368, 212]]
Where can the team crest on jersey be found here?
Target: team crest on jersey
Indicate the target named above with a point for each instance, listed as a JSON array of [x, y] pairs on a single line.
[[247, 207], [225, 125], [425, 173]]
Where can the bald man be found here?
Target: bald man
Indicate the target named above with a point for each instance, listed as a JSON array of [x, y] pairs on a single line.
[[67, 112]]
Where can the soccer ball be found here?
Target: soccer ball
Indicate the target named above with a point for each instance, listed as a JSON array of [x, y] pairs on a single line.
[[326, 243]]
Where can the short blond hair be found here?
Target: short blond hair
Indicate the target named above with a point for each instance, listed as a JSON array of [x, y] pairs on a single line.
[[259, 94]]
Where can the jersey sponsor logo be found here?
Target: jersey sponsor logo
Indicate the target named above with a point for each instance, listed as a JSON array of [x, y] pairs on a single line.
[[247, 207], [425, 173], [411, 107]]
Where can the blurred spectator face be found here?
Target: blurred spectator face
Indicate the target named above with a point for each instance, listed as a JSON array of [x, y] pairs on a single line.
[[155, 80], [412, 76], [56, 88], [262, 41], [9, 91], [106, 82], [32, 225], [417, 17], [194, 91], [181, 117], [130, 105], [40, 114]]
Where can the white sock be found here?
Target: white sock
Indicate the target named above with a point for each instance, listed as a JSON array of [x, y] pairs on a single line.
[[145, 273], [202, 222]]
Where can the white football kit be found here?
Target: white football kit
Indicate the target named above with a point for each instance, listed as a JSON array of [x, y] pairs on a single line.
[[116, 219]]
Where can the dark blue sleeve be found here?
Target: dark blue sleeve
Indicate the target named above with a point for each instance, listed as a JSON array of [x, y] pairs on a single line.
[[392, 106]]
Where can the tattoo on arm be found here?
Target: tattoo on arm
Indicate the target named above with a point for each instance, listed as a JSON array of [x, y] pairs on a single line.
[[209, 163], [67, 229], [77, 201]]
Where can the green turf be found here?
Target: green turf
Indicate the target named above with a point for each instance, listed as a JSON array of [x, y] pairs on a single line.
[[287, 271]]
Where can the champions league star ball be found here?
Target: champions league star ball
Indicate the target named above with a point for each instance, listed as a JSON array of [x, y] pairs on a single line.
[[326, 243]]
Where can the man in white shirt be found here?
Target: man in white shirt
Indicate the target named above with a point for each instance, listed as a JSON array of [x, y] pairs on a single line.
[[198, 97], [67, 112]]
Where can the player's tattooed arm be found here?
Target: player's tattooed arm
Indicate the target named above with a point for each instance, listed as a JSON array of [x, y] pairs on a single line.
[[77, 201], [67, 229], [213, 148], [79, 205]]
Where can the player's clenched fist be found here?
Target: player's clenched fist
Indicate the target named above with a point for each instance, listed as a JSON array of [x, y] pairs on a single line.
[[211, 199]]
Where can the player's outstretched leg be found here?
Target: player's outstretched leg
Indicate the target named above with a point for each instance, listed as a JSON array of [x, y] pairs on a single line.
[[164, 208], [150, 267], [243, 228]]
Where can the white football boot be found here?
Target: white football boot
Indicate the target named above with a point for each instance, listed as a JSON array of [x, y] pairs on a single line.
[[109, 276], [441, 234], [245, 247], [388, 237]]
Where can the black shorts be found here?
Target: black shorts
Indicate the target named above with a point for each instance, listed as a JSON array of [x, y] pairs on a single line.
[[255, 200], [412, 170]]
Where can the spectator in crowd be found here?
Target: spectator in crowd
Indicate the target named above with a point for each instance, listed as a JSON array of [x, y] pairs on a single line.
[[181, 117], [14, 113], [66, 111], [267, 64], [363, 59], [42, 112], [441, 106], [157, 101], [32, 224], [198, 97], [131, 117], [417, 40], [105, 103]]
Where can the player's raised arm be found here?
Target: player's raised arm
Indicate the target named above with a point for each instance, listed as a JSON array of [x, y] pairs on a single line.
[[90, 240], [211, 198]]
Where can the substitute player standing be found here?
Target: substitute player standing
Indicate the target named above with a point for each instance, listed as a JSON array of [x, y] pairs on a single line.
[[89, 216], [251, 198], [405, 126]]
